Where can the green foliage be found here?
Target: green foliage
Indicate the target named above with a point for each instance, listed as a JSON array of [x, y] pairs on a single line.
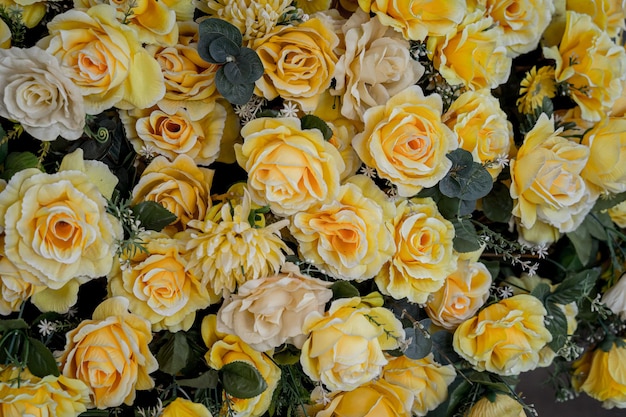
[[465, 237], [40, 361], [17, 161], [498, 204], [311, 121], [466, 179], [420, 342], [242, 380], [12, 16], [173, 355], [343, 289], [152, 215]]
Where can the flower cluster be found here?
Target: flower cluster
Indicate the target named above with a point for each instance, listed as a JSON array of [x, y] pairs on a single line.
[[321, 208]]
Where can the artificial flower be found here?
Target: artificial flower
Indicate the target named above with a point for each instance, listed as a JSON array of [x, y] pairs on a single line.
[[607, 155], [5, 35], [182, 407], [501, 405], [536, 85]]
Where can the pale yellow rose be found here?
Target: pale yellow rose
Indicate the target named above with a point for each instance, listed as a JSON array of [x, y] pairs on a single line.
[[482, 128], [506, 337], [289, 168], [97, 172], [425, 378], [227, 348], [591, 64], [37, 93], [23, 394], [418, 19], [607, 155], [601, 375], [607, 14], [313, 6], [299, 62], [350, 237], [424, 255], [182, 407], [16, 285], [5, 35], [343, 132], [546, 181], [180, 186], [369, 44], [32, 10], [105, 59], [345, 344], [502, 406], [110, 354], [618, 214], [462, 294], [269, 311], [406, 141], [474, 55]]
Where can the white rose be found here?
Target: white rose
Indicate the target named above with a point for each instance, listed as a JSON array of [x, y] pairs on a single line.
[[615, 297], [36, 92]]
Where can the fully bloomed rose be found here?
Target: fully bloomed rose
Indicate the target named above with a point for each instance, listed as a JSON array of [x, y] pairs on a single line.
[[506, 337], [110, 354], [406, 141], [299, 62], [607, 155], [38, 94], [289, 168], [105, 59], [182, 407], [346, 343], [267, 312], [16, 285], [500, 406]]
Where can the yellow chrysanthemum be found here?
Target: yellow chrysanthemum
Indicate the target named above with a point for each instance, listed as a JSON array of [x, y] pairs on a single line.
[[537, 84]]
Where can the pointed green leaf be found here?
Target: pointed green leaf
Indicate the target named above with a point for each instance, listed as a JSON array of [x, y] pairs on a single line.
[[153, 216], [17, 161], [556, 323], [207, 380], [343, 289], [40, 361], [575, 286], [173, 355], [465, 238], [611, 201], [498, 204], [581, 239], [242, 380], [311, 121], [234, 93]]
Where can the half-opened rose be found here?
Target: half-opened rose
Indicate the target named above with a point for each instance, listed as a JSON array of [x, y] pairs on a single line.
[[346, 343], [289, 168], [38, 94], [267, 312], [500, 406], [406, 141], [607, 155], [110, 354], [506, 337]]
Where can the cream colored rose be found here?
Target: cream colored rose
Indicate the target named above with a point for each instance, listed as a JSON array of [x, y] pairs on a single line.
[[506, 337], [424, 255], [615, 297], [38, 94], [463, 293], [406, 141], [267, 312], [607, 155], [105, 59], [16, 285], [425, 378], [110, 354], [299, 62], [182, 407], [350, 237], [369, 44], [289, 168], [546, 180], [345, 345], [482, 128], [474, 55], [180, 186], [618, 214], [23, 394]]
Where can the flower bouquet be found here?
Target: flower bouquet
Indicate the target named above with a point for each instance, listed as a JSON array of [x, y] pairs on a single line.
[[310, 208]]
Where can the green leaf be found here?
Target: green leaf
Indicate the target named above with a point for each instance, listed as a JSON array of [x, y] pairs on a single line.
[[493, 267], [223, 48], [242, 380], [421, 343], [311, 121], [173, 355], [465, 236], [498, 204], [235, 93], [458, 396], [212, 30], [4, 146], [443, 349], [207, 380], [597, 224], [246, 68], [556, 323], [40, 361], [607, 203], [17, 161], [469, 183], [12, 324], [575, 286], [541, 292], [581, 238], [153, 216], [343, 289]]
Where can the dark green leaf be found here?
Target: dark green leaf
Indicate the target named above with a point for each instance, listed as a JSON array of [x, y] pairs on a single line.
[[541, 292], [458, 396], [152, 215], [40, 361], [173, 355], [556, 323], [211, 30], [498, 204], [246, 68], [607, 203], [443, 351], [223, 49], [17, 161], [597, 225], [466, 183], [343, 289], [421, 344], [465, 238], [12, 324], [581, 239], [242, 380], [575, 286], [207, 380], [311, 121], [4, 146], [493, 267], [461, 160], [234, 93]]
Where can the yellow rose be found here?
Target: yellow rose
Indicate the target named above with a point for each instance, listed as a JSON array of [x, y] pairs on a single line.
[[482, 128], [345, 345], [289, 169], [506, 337], [5, 35], [350, 237], [110, 354], [375, 399], [269, 311], [299, 62], [23, 394], [618, 214], [182, 407], [607, 14], [546, 180], [32, 10], [502, 406], [425, 378], [539, 234], [591, 64], [180, 186], [607, 155], [418, 19], [424, 254], [105, 59], [474, 55], [227, 348], [600, 374], [343, 132], [406, 141], [370, 44], [463, 293], [16, 285]]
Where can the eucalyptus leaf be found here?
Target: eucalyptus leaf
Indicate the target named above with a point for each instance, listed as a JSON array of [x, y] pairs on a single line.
[[153, 216], [465, 237], [498, 204], [223, 49], [242, 380], [246, 67], [173, 355], [234, 93], [466, 183], [40, 361], [17, 161], [420, 343], [213, 29], [311, 121]]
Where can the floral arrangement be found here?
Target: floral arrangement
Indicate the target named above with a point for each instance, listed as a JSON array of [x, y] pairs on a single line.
[[310, 208]]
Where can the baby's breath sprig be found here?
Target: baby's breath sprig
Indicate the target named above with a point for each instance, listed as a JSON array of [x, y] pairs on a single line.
[[131, 244]]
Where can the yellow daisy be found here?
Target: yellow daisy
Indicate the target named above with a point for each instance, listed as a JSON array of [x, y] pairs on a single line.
[[537, 84]]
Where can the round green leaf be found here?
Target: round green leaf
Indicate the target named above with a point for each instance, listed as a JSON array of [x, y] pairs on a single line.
[[223, 49], [242, 380], [498, 204], [234, 93], [212, 29], [246, 68], [421, 343]]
